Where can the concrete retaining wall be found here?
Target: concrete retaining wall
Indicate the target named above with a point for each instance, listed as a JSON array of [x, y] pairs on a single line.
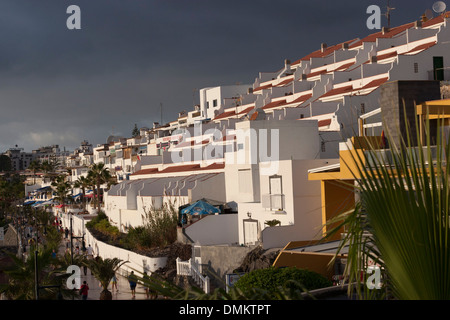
[[136, 261]]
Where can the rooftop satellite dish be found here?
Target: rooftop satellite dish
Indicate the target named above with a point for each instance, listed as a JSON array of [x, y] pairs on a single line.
[[429, 14], [439, 6]]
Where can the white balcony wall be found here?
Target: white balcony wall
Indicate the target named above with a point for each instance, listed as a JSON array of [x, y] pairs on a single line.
[[319, 108], [214, 230], [418, 34], [134, 261], [344, 54], [365, 52]]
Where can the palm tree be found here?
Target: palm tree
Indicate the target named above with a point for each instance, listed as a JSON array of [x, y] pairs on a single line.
[[34, 166], [402, 222], [104, 270], [100, 175], [62, 189], [21, 277], [82, 183]]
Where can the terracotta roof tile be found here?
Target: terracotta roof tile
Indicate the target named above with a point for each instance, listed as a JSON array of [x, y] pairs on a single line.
[[421, 47], [302, 98], [337, 91], [375, 83], [274, 104], [323, 123], [326, 52], [225, 114], [267, 86], [180, 168]]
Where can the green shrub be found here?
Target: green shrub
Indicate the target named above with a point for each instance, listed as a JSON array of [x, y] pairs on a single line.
[[137, 237], [290, 278], [101, 224]]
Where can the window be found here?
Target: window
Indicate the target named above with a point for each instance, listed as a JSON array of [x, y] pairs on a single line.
[[276, 196], [363, 108], [275, 186], [416, 67], [215, 103], [322, 146]]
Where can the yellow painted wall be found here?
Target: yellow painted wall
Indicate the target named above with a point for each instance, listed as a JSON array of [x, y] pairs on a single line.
[[337, 197], [318, 262]]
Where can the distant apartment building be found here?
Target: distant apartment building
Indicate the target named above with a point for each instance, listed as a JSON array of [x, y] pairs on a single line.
[[51, 153], [20, 160]]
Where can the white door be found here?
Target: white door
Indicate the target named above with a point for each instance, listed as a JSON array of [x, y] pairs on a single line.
[[250, 232]]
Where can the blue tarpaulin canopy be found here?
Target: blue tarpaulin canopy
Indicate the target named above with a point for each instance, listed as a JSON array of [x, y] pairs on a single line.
[[37, 203], [200, 208]]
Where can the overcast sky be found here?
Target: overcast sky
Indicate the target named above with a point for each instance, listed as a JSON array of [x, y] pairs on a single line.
[[61, 86]]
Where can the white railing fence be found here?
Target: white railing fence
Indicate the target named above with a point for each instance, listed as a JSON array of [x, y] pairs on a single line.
[[191, 268]]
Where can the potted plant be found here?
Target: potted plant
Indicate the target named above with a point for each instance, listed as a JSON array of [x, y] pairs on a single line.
[[273, 223]]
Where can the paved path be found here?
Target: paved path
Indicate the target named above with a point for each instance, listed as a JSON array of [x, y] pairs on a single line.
[[123, 291]]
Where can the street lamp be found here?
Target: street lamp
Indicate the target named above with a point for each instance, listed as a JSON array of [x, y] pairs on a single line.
[[36, 278], [71, 240]]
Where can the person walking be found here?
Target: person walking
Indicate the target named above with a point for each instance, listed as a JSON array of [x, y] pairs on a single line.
[[84, 289], [133, 282], [146, 283], [90, 252], [114, 283]]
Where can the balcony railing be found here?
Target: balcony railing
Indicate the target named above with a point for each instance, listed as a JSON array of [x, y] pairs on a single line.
[[273, 201], [193, 269], [384, 156], [442, 74]]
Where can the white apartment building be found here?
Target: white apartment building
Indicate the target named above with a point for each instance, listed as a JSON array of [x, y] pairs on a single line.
[[314, 103]]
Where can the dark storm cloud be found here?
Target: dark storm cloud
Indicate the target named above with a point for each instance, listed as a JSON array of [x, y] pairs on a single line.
[[60, 86]]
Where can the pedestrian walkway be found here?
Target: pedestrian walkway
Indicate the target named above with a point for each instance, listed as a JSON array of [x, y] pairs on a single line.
[[123, 291]]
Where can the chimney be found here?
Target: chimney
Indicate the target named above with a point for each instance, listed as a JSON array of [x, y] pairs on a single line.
[[287, 62], [250, 90], [323, 47], [418, 24], [345, 46], [384, 30]]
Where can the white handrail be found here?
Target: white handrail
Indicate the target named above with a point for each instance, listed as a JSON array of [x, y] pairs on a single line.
[[191, 268]]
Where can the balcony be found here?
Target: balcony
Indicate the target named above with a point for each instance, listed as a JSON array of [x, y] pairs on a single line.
[[441, 74], [384, 156], [273, 202]]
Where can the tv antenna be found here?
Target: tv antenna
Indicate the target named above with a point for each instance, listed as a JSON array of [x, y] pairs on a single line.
[[439, 7], [388, 13]]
